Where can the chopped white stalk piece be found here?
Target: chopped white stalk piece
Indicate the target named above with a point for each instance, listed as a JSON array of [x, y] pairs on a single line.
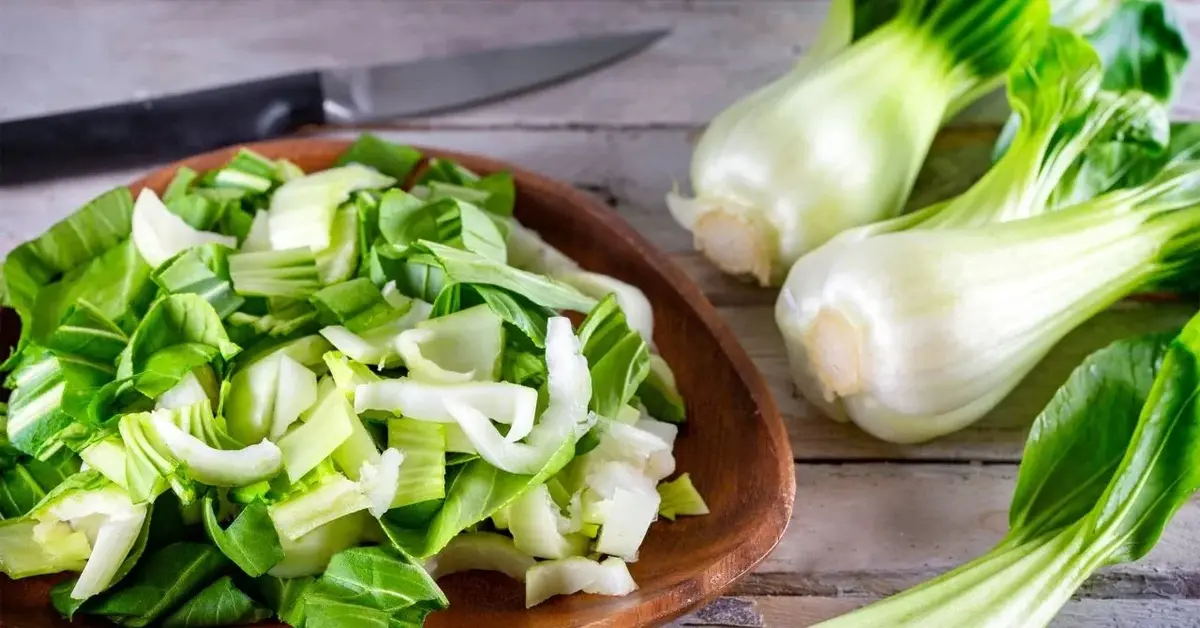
[[565, 419], [502, 402], [660, 464], [348, 374], [219, 467], [259, 237], [628, 415], [572, 575], [357, 451], [423, 472], [376, 346], [409, 346], [358, 348], [159, 234], [335, 497], [113, 542], [21, 556], [460, 347], [110, 521], [108, 457], [630, 444], [606, 477], [483, 551], [306, 445], [630, 514], [295, 392], [632, 300], [188, 391], [534, 521], [624, 502], [250, 407], [528, 251], [309, 554], [457, 441], [379, 481], [302, 210], [65, 543], [396, 299], [337, 263]]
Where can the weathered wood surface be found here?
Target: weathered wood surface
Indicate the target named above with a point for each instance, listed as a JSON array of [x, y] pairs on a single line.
[[870, 518], [789, 612]]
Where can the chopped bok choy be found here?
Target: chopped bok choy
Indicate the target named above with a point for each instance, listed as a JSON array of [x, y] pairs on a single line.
[[326, 383]]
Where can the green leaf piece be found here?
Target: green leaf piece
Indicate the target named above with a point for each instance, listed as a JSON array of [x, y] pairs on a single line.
[[65, 250], [394, 160], [161, 583], [203, 271], [219, 604], [466, 267], [617, 356], [250, 541]]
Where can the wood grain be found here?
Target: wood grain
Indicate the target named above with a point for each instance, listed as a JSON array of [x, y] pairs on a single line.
[[735, 422], [795, 612]]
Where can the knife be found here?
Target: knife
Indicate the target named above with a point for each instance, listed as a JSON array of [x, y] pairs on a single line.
[[170, 127]]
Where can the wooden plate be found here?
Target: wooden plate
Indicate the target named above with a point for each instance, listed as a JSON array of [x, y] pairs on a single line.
[[733, 445]]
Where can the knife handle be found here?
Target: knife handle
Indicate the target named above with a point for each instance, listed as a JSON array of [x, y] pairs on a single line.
[[157, 129]]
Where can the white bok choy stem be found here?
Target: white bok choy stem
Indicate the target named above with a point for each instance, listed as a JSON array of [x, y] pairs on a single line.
[[484, 551], [219, 467], [816, 153], [916, 334], [565, 419], [503, 402]]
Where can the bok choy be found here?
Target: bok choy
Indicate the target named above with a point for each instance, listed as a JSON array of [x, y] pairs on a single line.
[[915, 327], [818, 152], [323, 380], [1107, 464], [917, 333]]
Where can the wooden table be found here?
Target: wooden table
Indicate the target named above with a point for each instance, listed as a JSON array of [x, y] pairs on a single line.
[[870, 518]]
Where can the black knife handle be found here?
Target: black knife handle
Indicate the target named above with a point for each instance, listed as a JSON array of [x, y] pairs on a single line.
[[157, 129]]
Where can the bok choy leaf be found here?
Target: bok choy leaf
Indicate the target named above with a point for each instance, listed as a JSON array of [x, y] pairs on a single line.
[[1107, 464]]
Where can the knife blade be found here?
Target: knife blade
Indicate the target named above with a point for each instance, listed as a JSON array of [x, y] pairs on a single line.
[[169, 127]]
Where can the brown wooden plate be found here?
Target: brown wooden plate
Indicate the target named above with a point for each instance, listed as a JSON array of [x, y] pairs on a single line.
[[733, 445]]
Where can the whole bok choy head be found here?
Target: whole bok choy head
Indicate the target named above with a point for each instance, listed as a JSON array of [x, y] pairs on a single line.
[[903, 351], [1108, 463], [915, 334], [816, 153]]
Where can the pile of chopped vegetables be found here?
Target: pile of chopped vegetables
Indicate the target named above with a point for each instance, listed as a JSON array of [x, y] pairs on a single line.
[[272, 393]]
